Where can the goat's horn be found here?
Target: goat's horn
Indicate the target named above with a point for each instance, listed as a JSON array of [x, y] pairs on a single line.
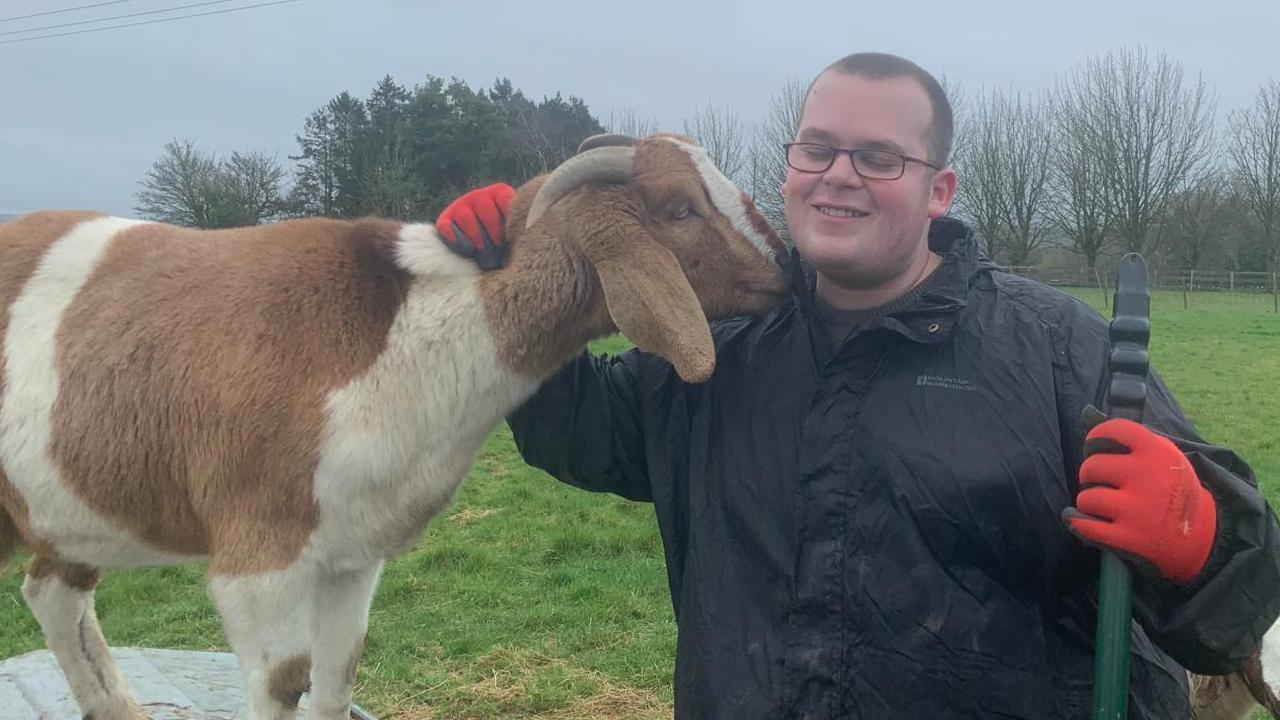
[[599, 165], [606, 140]]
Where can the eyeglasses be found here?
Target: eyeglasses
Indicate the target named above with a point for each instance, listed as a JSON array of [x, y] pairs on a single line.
[[868, 163]]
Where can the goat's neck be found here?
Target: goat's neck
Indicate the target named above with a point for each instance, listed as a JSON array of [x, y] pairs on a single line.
[[545, 305]]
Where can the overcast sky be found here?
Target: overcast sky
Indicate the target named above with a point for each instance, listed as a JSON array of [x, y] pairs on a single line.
[[83, 116]]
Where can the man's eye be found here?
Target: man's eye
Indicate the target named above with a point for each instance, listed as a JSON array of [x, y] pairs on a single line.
[[817, 152], [880, 160]]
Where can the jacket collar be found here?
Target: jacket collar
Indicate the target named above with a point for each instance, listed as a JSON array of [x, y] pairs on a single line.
[[931, 318]]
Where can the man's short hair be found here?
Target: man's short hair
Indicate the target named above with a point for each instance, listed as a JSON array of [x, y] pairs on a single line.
[[882, 66]]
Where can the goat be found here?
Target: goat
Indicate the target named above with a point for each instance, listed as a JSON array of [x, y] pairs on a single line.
[[292, 403]]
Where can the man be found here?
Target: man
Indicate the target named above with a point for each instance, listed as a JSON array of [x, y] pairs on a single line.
[[882, 505]]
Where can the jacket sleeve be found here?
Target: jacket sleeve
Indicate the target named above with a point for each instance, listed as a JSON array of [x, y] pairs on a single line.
[[1213, 624], [584, 426]]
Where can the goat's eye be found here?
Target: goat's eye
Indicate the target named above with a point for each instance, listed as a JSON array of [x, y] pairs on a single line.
[[681, 213]]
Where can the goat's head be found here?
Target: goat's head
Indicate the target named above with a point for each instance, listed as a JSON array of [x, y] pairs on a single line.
[[673, 241]]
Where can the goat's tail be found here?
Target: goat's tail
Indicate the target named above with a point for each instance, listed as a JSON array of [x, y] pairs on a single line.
[[9, 538]]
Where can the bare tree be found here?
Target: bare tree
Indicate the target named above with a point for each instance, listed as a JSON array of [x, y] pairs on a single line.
[[189, 188], [959, 116], [1006, 165], [1253, 147], [766, 162], [179, 186], [1079, 205], [1027, 142], [627, 122], [532, 149], [979, 168], [248, 190], [721, 134], [1198, 222], [757, 173], [1149, 129]]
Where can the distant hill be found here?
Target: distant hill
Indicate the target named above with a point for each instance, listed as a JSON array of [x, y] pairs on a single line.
[[8, 216]]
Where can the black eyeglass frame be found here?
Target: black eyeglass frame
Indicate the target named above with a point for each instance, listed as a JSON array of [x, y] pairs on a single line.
[[852, 153]]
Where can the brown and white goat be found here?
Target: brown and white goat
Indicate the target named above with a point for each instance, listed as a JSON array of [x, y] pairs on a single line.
[[294, 402]]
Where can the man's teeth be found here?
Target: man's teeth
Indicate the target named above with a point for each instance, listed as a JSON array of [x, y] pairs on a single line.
[[840, 212]]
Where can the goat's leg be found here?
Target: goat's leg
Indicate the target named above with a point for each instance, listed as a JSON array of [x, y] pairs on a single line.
[[60, 595], [339, 623], [267, 617]]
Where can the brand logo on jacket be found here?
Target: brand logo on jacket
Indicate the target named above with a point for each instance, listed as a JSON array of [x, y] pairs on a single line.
[[945, 383]]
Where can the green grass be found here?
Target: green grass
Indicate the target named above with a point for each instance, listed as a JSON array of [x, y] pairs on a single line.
[[531, 599], [1221, 357]]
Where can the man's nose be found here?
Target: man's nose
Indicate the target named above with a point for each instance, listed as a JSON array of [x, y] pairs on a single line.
[[841, 172]]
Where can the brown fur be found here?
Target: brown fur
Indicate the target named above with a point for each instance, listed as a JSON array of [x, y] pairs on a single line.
[[1206, 690], [9, 537], [289, 680], [23, 241], [1220, 697], [1234, 696], [625, 263], [1251, 673], [80, 577], [157, 341], [545, 278], [758, 220]]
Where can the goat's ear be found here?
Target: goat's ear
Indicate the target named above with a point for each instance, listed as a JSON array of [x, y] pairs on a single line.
[[651, 302]]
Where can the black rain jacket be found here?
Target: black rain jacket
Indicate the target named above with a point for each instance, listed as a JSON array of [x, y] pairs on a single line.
[[873, 530]]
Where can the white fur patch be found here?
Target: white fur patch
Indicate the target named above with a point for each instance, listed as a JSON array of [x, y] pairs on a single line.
[[255, 606], [1271, 658], [341, 617], [423, 252], [267, 618], [31, 389], [300, 610], [401, 437], [726, 196], [71, 631]]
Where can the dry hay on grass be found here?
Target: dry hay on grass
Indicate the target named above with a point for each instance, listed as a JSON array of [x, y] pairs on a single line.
[[468, 516], [503, 677], [614, 702]]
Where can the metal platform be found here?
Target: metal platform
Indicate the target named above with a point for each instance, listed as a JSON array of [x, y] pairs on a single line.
[[169, 684]]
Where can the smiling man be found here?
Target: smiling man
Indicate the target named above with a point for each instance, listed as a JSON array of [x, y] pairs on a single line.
[[885, 503], [860, 215]]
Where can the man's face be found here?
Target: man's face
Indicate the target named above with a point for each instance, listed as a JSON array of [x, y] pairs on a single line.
[[886, 237]]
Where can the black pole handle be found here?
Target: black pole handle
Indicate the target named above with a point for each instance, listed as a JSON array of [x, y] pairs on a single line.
[[1129, 360]]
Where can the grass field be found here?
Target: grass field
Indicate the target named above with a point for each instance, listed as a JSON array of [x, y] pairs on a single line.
[[529, 599]]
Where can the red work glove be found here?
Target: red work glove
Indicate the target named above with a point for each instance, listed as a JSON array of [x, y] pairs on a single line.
[[472, 226], [1140, 497]]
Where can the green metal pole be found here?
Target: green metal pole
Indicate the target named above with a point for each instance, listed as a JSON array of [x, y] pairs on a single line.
[[1126, 398], [1112, 650]]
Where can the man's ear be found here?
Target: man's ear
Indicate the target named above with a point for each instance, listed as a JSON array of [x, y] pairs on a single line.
[[942, 192]]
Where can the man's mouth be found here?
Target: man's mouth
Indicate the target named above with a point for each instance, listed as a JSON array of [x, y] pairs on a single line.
[[840, 212]]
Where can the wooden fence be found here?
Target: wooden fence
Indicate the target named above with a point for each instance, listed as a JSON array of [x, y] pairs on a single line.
[[1185, 281]]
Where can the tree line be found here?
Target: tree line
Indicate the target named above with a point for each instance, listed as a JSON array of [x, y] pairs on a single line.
[[1123, 153], [400, 153]]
